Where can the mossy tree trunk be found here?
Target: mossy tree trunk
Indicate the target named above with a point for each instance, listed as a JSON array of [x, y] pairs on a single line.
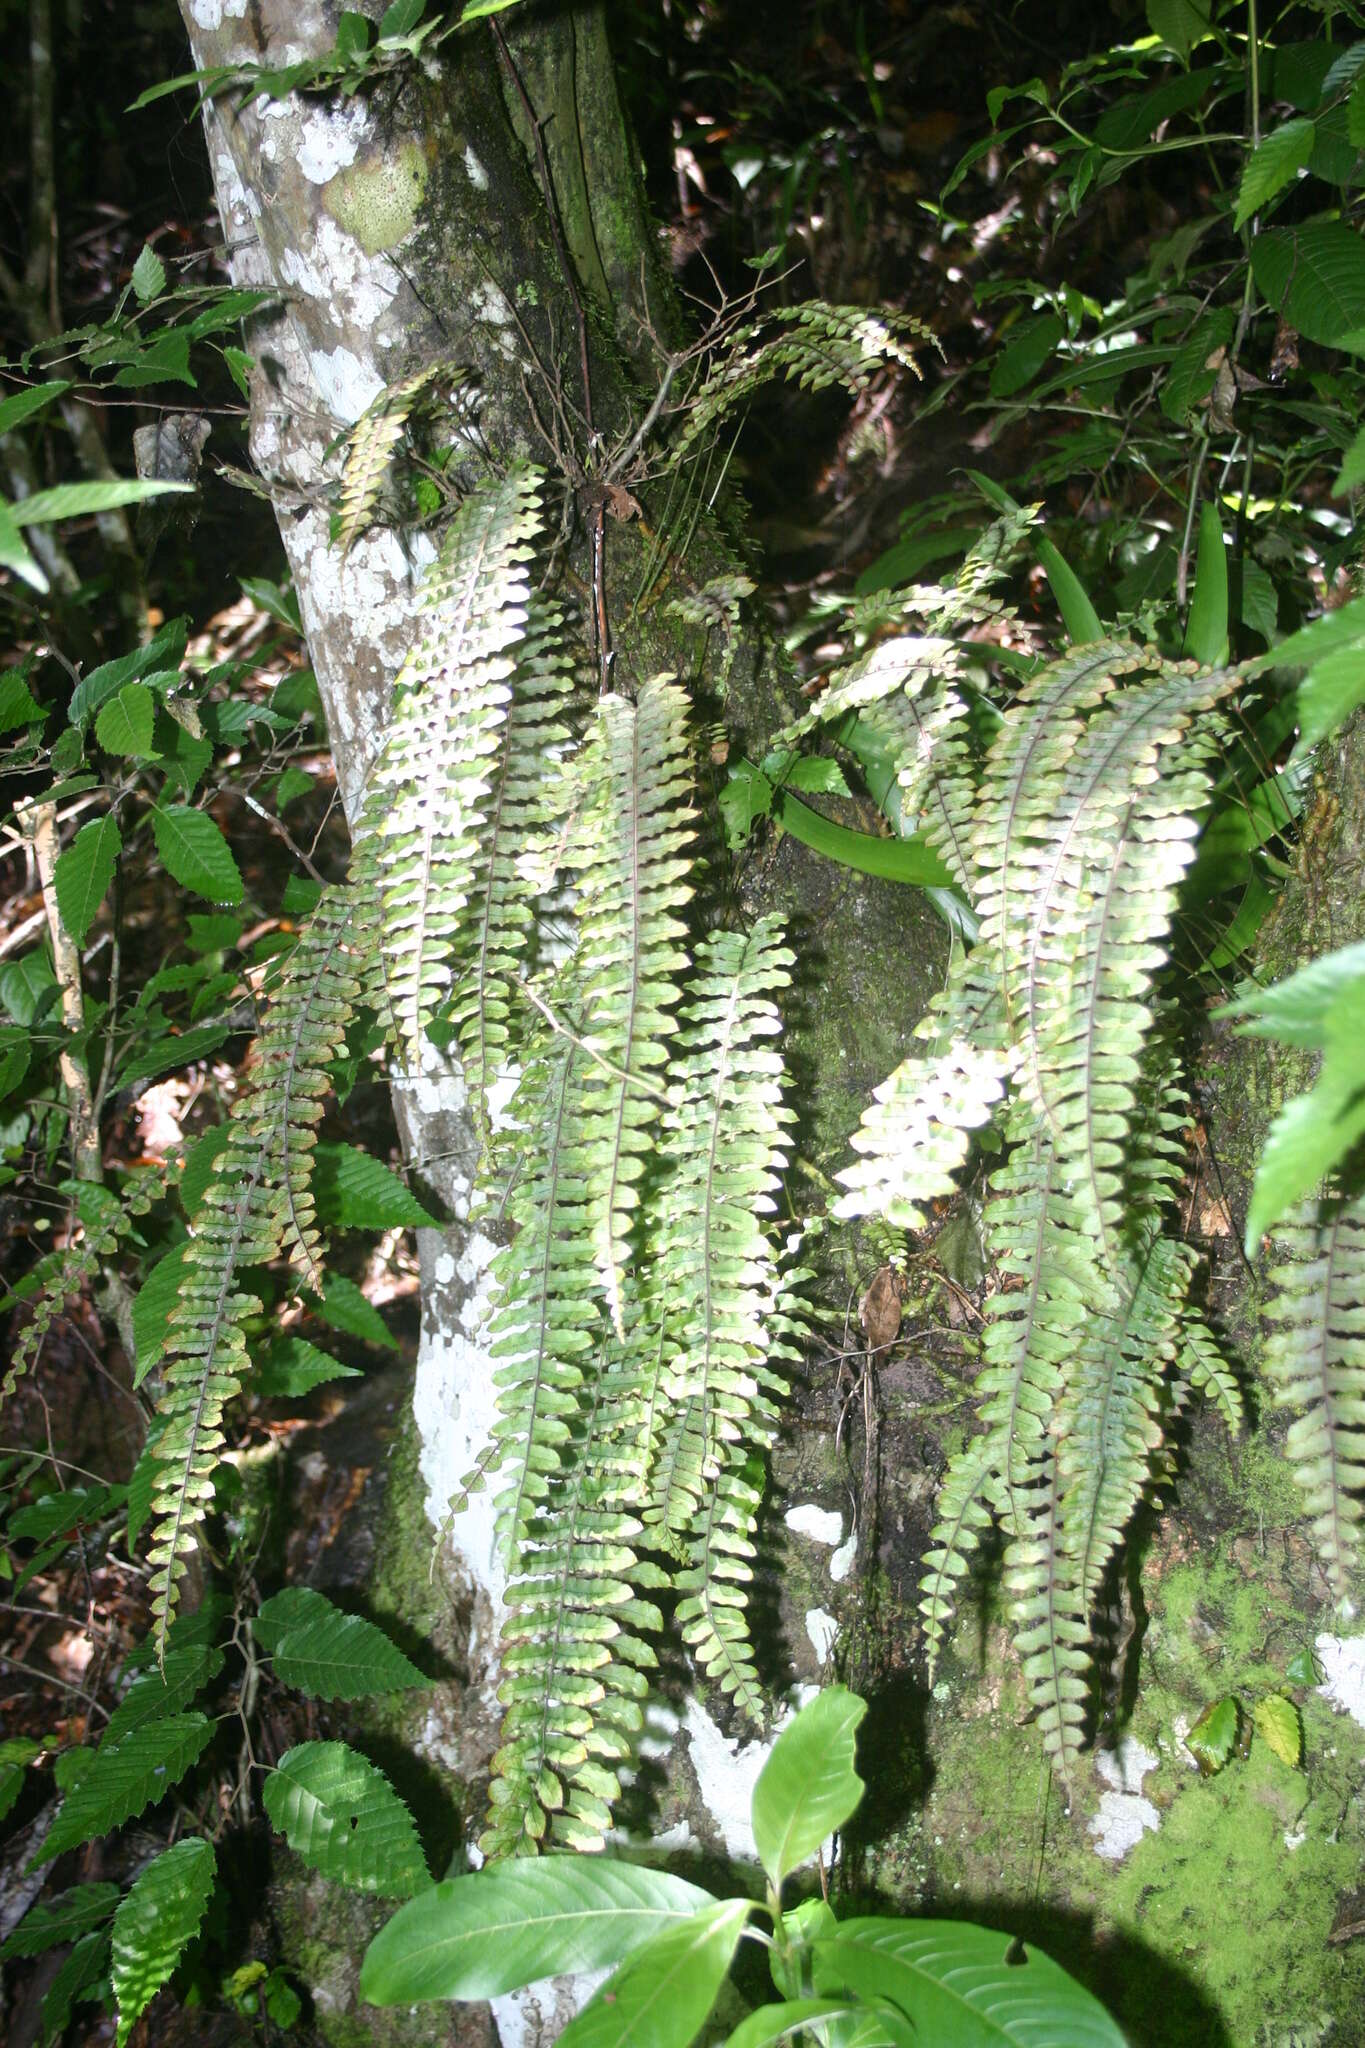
[[406, 226]]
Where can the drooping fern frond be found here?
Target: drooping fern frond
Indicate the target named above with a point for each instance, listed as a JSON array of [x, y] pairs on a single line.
[[1315, 1358], [427, 804], [370, 448], [59, 1277], [258, 1204]]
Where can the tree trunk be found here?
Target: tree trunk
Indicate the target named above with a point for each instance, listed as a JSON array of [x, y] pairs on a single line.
[[400, 228]]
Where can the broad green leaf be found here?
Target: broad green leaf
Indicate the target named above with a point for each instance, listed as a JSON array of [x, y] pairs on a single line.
[[1214, 1735], [1028, 347], [345, 1819], [1351, 475], [512, 1924], [1355, 115], [294, 1367], [1269, 169], [28, 987], [816, 776], [80, 501], [358, 1192], [964, 1986], [158, 660], [1079, 616], [152, 1308], [65, 1918], [346, 1309], [84, 872], [166, 1691], [173, 1049], [1179, 23], [149, 276], [294, 783], [808, 1788], [81, 1975], [18, 705], [195, 852], [1206, 633], [124, 725], [401, 18], [806, 1923], [1328, 694], [15, 554], [22, 405], [1280, 1728], [122, 1778], [14, 1057], [16, 1754], [154, 1924], [662, 1997], [1314, 278], [60, 1513], [1300, 1008], [327, 1653], [475, 10], [773, 2023]]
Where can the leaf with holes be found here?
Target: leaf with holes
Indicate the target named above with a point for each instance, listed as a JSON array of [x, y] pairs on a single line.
[[345, 1819]]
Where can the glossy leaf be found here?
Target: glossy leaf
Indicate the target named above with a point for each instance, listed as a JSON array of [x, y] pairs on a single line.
[[808, 1788], [1079, 616], [1214, 1735], [1280, 1727], [516, 1922], [770, 2024], [156, 1922], [662, 1998], [340, 1813], [1206, 634]]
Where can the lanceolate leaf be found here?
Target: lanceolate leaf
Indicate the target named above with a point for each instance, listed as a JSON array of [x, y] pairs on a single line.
[[808, 1788], [155, 1922], [84, 872], [357, 1191], [663, 1996], [65, 1918], [196, 853], [1270, 168], [478, 1936], [330, 1654], [344, 1818], [124, 1777]]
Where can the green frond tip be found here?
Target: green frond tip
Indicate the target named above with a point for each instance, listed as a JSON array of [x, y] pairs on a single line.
[[1315, 1360], [426, 815], [371, 445]]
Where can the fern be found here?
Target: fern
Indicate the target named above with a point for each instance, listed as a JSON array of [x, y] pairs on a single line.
[[427, 803], [1315, 1358], [371, 444], [258, 1204]]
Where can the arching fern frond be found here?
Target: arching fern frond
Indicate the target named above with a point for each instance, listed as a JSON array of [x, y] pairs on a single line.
[[371, 444], [1315, 1358]]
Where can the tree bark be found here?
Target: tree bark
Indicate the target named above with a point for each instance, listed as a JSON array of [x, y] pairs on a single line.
[[407, 226]]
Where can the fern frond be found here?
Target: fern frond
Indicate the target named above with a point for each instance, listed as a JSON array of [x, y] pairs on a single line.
[[633, 874], [1203, 1365], [713, 1612], [1052, 1637], [964, 1514], [1315, 1359], [426, 808], [370, 446], [258, 1202], [59, 1277]]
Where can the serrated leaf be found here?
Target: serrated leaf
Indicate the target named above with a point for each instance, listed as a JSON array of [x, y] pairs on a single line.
[[16, 1754], [1352, 472], [84, 872], [346, 1309], [28, 987], [165, 1691], [18, 705], [64, 1918], [1314, 278], [345, 1819], [808, 1788], [1214, 1735], [1179, 23], [79, 1977], [1280, 1728], [514, 1923], [663, 1996], [195, 852], [122, 1778], [152, 1307], [22, 405], [293, 1367], [1270, 167], [149, 276], [327, 1653], [154, 1924], [356, 1191], [124, 725]]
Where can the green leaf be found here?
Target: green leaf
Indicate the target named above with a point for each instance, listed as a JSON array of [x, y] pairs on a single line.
[[816, 776], [1179, 23], [1280, 1728], [156, 1921], [346, 1309], [174, 1049], [475, 10], [124, 725], [1214, 1735], [1206, 634], [1351, 475], [216, 933], [149, 276], [28, 986], [124, 1777], [1314, 278], [401, 18], [14, 1057], [65, 1918], [294, 1367], [1078, 614], [329, 1654], [152, 1308], [516, 1922], [1355, 115], [358, 1192], [79, 501], [16, 1754], [964, 1986], [809, 1786], [195, 852], [166, 1691], [1328, 695], [22, 405], [1029, 346], [14, 551], [201, 1160], [773, 2023], [345, 1819], [18, 705], [80, 1976], [662, 1997], [294, 783], [159, 658], [1269, 169], [84, 872]]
